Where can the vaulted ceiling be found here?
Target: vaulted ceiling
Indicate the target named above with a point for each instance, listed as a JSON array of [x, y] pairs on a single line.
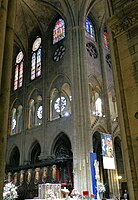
[[40, 13]]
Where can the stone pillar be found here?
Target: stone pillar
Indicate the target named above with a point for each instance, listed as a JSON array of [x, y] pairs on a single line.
[[124, 27], [5, 87], [3, 18], [81, 114], [112, 174]]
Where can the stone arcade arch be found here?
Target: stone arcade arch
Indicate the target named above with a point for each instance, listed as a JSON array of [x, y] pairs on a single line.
[[123, 40], [120, 165], [35, 153], [103, 172], [14, 157], [64, 159]]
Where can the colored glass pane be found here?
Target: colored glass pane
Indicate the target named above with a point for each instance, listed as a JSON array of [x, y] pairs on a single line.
[[59, 53], [59, 31], [38, 68], [60, 104], [36, 44], [36, 59], [40, 112], [106, 39], [90, 28], [13, 122], [33, 66], [18, 78], [21, 75], [19, 57]]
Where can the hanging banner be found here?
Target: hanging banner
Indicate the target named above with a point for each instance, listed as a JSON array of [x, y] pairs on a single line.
[[93, 174], [107, 151]]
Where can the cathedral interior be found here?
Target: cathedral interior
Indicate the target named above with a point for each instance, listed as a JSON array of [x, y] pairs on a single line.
[[68, 77]]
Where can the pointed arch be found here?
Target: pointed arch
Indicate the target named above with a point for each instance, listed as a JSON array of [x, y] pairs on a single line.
[[35, 109], [97, 148], [60, 102], [62, 146], [14, 159], [119, 158], [34, 152]]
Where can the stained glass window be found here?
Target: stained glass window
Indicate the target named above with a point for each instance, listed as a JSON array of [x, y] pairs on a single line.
[[18, 77], [90, 28], [59, 31], [106, 39], [98, 106], [91, 50], [60, 104], [59, 53], [36, 59]]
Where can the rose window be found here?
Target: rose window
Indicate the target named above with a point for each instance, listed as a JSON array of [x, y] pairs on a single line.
[[91, 50], [59, 53]]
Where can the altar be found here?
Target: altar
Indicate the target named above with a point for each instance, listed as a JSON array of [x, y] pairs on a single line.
[[51, 191]]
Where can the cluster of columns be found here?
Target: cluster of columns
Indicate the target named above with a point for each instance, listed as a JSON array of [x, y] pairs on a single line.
[[123, 26], [7, 19], [124, 58]]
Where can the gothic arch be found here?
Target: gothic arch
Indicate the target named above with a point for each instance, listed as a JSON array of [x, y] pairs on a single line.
[[14, 158], [99, 128], [119, 160], [61, 147], [58, 84], [62, 151], [94, 80], [33, 94], [34, 152], [16, 102], [59, 100], [97, 148]]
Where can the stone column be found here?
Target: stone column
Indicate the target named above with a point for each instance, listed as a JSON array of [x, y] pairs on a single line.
[[124, 38], [3, 18], [5, 87], [81, 114], [112, 174]]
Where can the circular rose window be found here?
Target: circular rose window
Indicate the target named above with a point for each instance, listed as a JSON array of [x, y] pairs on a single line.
[[59, 53], [91, 50]]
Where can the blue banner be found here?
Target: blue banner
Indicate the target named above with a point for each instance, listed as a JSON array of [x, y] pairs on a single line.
[[94, 184], [107, 151]]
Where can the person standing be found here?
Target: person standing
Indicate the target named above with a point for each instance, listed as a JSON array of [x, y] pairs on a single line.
[[125, 195]]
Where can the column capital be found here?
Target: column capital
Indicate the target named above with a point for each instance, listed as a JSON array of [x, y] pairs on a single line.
[[124, 19]]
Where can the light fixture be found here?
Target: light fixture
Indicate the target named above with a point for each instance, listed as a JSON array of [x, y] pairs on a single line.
[[119, 177], [66, 114]]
